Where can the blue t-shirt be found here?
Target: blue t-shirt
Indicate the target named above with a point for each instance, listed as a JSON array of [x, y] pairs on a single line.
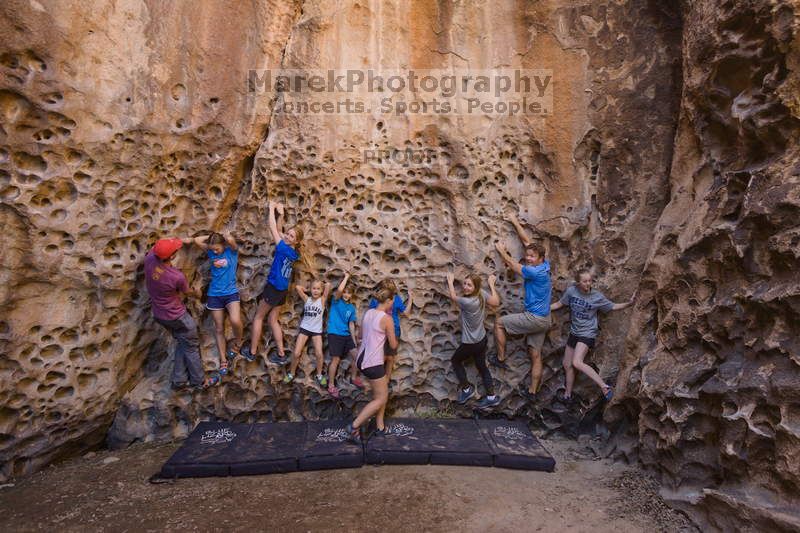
[[223, 272], [398, 306], [537, 288], [280, 273], [340, 316]]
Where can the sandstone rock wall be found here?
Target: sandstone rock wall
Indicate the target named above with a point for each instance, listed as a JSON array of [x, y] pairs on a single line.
[[119, 122], [570, 177], [669, 164], [710, 384]]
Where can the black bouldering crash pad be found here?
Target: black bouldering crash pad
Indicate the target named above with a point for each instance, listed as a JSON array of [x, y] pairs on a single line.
[[514, 446]]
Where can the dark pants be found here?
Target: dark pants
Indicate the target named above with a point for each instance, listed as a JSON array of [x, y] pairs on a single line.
[[477, 352], [187, 350]]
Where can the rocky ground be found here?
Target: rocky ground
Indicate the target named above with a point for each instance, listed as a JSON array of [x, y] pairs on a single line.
[[109, 491]]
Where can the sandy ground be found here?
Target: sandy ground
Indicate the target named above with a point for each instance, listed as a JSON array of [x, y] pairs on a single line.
[[109, 491]]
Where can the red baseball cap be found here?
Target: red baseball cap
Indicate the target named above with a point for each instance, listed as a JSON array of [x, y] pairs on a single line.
[[166, 247]]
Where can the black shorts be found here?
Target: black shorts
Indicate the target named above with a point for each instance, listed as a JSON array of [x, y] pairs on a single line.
[[273, 296], [373, 372], [308, 333], [572, 340], [340, 345], [388, 351]]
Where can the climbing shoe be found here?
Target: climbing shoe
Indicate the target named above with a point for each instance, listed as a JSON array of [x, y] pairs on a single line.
[[465, 394]]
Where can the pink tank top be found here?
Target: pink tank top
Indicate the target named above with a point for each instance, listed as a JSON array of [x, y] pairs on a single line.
[[373, 337]]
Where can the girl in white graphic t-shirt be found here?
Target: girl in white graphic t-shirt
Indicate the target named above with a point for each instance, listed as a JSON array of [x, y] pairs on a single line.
[[311, 326]]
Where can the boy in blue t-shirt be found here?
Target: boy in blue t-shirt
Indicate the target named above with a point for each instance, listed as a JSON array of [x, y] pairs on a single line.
[[399, 307], [342, 335], [534, 322]]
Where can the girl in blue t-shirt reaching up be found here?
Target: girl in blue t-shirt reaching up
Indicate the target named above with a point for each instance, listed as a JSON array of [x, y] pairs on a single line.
[[223, 294], [287, 251], [342, 335]]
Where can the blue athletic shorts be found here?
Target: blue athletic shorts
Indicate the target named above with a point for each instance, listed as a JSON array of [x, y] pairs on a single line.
[[218, 303]]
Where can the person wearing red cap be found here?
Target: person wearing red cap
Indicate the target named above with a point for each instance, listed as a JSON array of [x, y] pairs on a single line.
[[165, 284]]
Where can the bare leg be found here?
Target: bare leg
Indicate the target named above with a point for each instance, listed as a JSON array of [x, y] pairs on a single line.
[[569, 371], [258, 325], [235, 314], [580, 352], [353, 367], [332, 368], [317, 342], [500, 340], [275, 327], [380, 391], [536, 368], [219, 335], [299, 345], [389, 365]]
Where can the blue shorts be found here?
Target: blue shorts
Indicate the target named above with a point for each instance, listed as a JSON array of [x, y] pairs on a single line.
[[218, 303]]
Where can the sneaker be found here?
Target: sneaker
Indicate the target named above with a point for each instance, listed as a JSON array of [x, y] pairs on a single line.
[[353, 434], [494, 361], [288, 378], [357, 382], [380, 432], [465, 394], [322, 380], [211, 382], [276, 359], [527, 394], [488, 401], [247, 354], [333, 391]]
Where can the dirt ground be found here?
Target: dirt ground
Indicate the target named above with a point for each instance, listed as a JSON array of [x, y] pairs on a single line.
[[109, 491]]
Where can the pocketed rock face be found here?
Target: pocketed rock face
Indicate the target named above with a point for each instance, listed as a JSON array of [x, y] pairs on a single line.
[[117, 124], [574, 179], [669, 164], [710, 384]]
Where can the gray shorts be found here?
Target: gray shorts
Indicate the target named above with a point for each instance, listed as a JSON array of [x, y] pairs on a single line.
[[534, 327]]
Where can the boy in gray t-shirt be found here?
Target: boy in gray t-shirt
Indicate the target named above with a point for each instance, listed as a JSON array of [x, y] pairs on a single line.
[[584, 302]]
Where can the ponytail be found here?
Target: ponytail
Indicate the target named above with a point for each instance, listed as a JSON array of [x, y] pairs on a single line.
[[476, 282]]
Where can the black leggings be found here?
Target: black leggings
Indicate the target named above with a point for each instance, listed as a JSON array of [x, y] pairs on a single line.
[[476, 351]]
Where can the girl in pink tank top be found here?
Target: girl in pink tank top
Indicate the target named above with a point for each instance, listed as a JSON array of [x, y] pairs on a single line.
[[377, 328]]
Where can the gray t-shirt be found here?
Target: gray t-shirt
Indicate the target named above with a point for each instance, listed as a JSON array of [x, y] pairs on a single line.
[[583, 310], [472, 317]]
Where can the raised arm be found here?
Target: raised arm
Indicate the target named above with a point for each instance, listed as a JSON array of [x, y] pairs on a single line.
[[451, 290], [301, 291], [494, 298], [273, 223], [523, 236], [409, 303], [230, 240], [326, 291], [507, 259], [342, 284], [199, 241]]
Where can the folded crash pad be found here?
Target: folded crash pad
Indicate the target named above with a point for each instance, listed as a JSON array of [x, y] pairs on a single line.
[[514, 446]]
